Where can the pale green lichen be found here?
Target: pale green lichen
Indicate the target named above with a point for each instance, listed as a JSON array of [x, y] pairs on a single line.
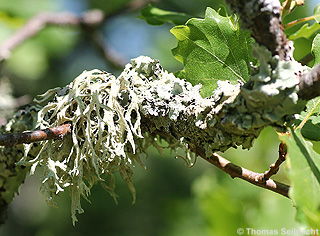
[[103, 132], [116, 119]]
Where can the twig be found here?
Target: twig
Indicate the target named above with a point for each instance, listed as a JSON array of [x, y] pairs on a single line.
[[247, 175], [274, 168], [89, 20], [292, 23], [262, 17], [35, 136], [32, 27], [239, 172]]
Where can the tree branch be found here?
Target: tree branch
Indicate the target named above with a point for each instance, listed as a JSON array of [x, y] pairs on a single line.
[[223, 164], [247, 175], [89, 22], [35, 136]]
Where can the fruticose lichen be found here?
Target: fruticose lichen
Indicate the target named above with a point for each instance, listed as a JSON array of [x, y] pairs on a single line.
[[115, 119]]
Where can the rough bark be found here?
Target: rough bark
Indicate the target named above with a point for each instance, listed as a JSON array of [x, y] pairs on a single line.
[[262, 18]]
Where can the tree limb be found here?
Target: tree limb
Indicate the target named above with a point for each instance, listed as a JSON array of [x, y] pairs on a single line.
[[223, 164]]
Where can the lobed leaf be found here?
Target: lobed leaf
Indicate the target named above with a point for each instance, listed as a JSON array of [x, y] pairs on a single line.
[[304, 174], [212, 49], [305, 35]]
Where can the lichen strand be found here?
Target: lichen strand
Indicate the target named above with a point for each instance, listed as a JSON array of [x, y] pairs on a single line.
[[11, 175], [116, 119], [105, 117]]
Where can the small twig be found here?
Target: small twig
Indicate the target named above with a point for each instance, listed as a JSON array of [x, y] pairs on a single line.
[[32, 27], [293, 23], [274, 168], [247, 175], [89, 20], [35, 136]]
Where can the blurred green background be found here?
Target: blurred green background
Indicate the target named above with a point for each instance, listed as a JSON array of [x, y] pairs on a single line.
[[172, 199]]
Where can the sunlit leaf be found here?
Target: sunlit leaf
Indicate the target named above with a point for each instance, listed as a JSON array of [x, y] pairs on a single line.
[[306, 31], [316, 48], [289, 5], [316, 13], [211, 49], [156, 16], [304, 174]]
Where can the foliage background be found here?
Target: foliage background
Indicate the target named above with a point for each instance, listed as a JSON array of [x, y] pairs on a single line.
[[171, 198]]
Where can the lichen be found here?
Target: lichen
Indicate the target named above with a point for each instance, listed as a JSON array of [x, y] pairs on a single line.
[[12, 175], [115, 119]]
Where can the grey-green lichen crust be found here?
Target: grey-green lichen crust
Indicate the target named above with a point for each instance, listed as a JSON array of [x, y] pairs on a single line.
[[12, 175], [115, 119]]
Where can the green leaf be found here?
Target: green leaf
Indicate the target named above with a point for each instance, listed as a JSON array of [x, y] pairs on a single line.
[[304, 174], [303, 37], [309, 120], [311, 129], [302, 47], [316, 13], [316, 48], [306, 31], [156, 16], [211, 49]]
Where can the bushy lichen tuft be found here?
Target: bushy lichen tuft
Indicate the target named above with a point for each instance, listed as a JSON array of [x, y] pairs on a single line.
[[105, 121]]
